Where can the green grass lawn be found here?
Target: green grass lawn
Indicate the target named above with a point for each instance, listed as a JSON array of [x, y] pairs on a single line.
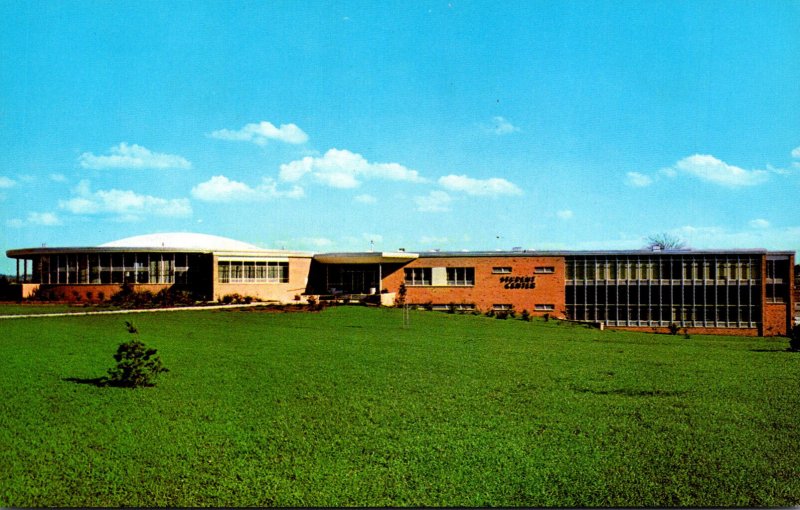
[[346, 407]]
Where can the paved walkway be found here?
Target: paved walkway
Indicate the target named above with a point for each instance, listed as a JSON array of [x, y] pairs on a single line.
[[145, 310]]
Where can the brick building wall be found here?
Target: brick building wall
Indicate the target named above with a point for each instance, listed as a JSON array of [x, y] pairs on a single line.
[[522, 287]]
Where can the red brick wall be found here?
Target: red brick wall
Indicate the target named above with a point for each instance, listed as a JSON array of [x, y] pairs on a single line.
[[91, 292], [489, 289], [776, 317]]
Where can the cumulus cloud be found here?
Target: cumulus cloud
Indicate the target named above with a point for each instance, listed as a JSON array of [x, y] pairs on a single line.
[[221, 189], [123, 203], [5, 182], [638, 180], [500, 126], [759, 223], [345, 169], [711, 169], [35, 218], [132, 156], [366, 199], [493, 187], [565, 214], [435, 201], [262, 132], [796, 152], [58, 178]]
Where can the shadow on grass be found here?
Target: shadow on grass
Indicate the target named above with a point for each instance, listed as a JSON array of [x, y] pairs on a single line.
[[94, 381], [99, 382]]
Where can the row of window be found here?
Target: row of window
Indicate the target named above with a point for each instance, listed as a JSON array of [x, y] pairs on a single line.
[[253, 272], [451, 276], [723, 316], [113, 268], [536, 307], [537, 270], [455, 276], [496, 307], [693, 269]]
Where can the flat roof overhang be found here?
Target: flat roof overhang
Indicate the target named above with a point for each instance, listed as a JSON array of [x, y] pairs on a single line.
[[397, 257], [30, 252]]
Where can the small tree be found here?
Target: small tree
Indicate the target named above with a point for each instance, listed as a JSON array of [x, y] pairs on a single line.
[[400, 298], [665, 242], [137, 365]]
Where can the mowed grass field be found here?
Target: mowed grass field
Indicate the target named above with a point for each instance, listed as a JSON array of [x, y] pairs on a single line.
[[346, 407]]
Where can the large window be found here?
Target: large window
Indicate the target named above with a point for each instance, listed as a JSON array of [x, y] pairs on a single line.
[[249, 271], [461, 276], [418, 275]]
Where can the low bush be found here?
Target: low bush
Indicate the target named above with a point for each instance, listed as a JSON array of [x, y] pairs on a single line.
[[525, 315], [137, 364]]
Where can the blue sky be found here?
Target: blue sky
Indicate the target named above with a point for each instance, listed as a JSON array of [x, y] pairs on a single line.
[[455, 125]]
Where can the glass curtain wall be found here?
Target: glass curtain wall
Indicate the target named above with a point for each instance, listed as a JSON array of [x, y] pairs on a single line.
[[688, 290], [114, 268]]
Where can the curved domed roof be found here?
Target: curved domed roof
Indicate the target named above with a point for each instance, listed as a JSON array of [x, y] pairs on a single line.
[[181, 240]]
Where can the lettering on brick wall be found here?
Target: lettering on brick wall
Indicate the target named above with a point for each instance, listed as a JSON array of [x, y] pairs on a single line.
[[518, 282]]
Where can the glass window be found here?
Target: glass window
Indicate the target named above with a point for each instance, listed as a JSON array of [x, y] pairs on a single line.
[[544, 269], [418, 276], [460, 276], [501, 270], [224, 271]]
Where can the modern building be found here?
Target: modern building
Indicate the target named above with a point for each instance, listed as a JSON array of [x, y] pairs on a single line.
[[745, 292]]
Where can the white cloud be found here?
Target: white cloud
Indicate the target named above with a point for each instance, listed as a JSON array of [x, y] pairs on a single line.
[[796, 152], [759, 223], [123, 203], [500, 126], [58, 178], [565, 214], [711, 169], [366, 199], [45, 219], [262, 132], [132, 156], [638, 180], [435, 201], [35, 218], [494, 186], [221, 189], [344, 169], [5, 182]]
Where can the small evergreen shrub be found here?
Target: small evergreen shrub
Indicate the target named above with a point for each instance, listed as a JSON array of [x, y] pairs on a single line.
[[547, 317], [137, 364], [673, 328], [525, 315]]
